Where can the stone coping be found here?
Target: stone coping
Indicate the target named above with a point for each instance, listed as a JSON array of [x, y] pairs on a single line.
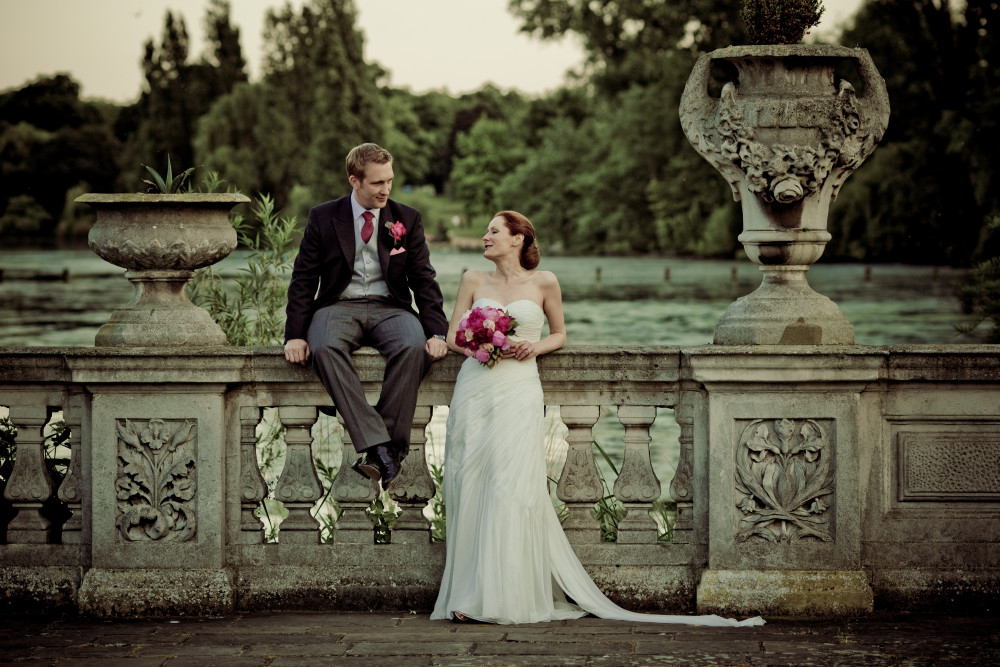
[[586, 363]]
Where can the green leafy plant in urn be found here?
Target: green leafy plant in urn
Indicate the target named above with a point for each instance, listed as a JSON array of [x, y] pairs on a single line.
[[161, 237], [785, 133]]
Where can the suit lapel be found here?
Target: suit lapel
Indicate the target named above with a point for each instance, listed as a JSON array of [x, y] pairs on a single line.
[[343, 225], [381, 236]]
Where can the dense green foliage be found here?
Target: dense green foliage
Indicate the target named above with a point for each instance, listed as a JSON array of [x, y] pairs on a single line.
[[599, 165], [50, 142], [928, 193]]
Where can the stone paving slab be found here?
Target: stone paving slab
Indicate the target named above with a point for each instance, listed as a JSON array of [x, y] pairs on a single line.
[[405, 639]]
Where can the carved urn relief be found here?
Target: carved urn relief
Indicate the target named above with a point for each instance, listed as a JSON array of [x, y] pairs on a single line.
[[785, 134], [161, 240]]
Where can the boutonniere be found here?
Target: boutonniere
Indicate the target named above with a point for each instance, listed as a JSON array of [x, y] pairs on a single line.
[[398, 231]]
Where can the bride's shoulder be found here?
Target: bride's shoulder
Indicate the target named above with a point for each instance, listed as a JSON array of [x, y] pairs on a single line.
[[473, 277], [545, 279]]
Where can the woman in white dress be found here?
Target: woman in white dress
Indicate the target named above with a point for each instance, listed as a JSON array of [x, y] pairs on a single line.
[[508, 560]]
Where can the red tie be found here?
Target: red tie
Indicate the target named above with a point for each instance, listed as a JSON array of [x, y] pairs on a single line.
[[368, 227]]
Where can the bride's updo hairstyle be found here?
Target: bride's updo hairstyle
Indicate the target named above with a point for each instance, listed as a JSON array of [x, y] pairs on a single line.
[[518, 224]]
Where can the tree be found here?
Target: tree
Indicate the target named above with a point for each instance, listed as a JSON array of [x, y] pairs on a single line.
[[547, 185], [636, 182], [50, 141], [621, 35], [248, 138], [485, 154], [226, 55], [315, 59], [178, 92], [165, 106], [435, 115], [928, 193]]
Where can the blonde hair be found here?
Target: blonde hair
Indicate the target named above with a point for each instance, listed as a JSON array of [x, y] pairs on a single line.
[[363, 155]]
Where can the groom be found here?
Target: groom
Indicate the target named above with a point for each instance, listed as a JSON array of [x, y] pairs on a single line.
[[360, 258]]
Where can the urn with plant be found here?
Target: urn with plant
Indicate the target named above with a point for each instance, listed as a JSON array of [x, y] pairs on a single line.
[[785, 132], [160, 237]]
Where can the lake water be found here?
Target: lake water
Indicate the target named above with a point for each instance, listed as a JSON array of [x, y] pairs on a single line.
[[608, 301]]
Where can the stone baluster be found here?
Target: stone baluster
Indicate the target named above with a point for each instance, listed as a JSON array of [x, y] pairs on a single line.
[[415, 486], [253, 489], [70, 491], [30, 484], [637, 486], [354, 494], [580, 484], [298, 486], [682, 486]]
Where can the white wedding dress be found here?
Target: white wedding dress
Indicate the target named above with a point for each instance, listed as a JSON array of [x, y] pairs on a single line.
[[508, 560]]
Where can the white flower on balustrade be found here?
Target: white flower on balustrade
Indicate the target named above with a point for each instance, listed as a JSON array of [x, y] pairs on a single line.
[[157, 481], [784, 481]]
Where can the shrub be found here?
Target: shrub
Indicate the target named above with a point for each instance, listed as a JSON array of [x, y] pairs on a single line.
[[780, 21]]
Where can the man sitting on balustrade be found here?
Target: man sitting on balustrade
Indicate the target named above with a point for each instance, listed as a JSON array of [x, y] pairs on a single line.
[[362, 263]]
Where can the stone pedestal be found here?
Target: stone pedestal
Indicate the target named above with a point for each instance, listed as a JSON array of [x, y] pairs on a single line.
[[158, 482], [784, 310], [785, 489]]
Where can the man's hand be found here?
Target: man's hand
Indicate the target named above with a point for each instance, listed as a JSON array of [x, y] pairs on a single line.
[[436, 348], [297, 351]]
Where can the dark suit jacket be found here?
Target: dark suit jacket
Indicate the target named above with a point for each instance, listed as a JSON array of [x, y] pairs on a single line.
[[325, 263]]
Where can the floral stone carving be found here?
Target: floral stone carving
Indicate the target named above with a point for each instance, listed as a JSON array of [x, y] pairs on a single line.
[[784, 481], [157, 481]]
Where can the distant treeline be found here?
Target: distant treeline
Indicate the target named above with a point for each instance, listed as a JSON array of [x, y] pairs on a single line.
[[600, 165]]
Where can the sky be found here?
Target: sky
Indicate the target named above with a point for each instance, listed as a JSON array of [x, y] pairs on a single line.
[[451, 45]]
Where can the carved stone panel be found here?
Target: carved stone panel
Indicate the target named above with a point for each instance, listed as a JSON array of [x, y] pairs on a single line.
[[156, 484], [785, 481], [949, 463]]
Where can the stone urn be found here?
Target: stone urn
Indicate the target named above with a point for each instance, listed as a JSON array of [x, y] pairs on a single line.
[[160, 240], [785, 134]]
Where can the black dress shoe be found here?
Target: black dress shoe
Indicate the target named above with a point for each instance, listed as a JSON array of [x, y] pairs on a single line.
[[385, 460], [378, 463], [364, 467]]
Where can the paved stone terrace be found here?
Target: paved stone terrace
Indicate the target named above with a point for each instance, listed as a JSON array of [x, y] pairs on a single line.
[[287, 639]]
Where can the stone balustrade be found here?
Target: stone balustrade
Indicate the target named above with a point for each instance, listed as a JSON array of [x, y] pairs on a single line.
[[820, 480]]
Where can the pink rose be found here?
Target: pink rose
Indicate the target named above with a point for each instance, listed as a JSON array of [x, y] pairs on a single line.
[[500, 340], [398, 231], [482, 357]]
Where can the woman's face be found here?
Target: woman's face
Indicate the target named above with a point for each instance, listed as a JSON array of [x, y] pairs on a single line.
[[498, 241]]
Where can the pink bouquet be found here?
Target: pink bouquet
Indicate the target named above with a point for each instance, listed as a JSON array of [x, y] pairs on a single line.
[[484, 333]]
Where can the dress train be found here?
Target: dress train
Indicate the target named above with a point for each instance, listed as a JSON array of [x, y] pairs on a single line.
[[508, 559]]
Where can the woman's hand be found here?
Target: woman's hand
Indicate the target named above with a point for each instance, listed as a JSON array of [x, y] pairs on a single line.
[[521, 350]]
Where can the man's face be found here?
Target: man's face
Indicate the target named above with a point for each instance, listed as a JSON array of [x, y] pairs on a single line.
[[373, 190]]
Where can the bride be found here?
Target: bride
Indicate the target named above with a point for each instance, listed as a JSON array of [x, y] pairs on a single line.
[[508, 560]]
